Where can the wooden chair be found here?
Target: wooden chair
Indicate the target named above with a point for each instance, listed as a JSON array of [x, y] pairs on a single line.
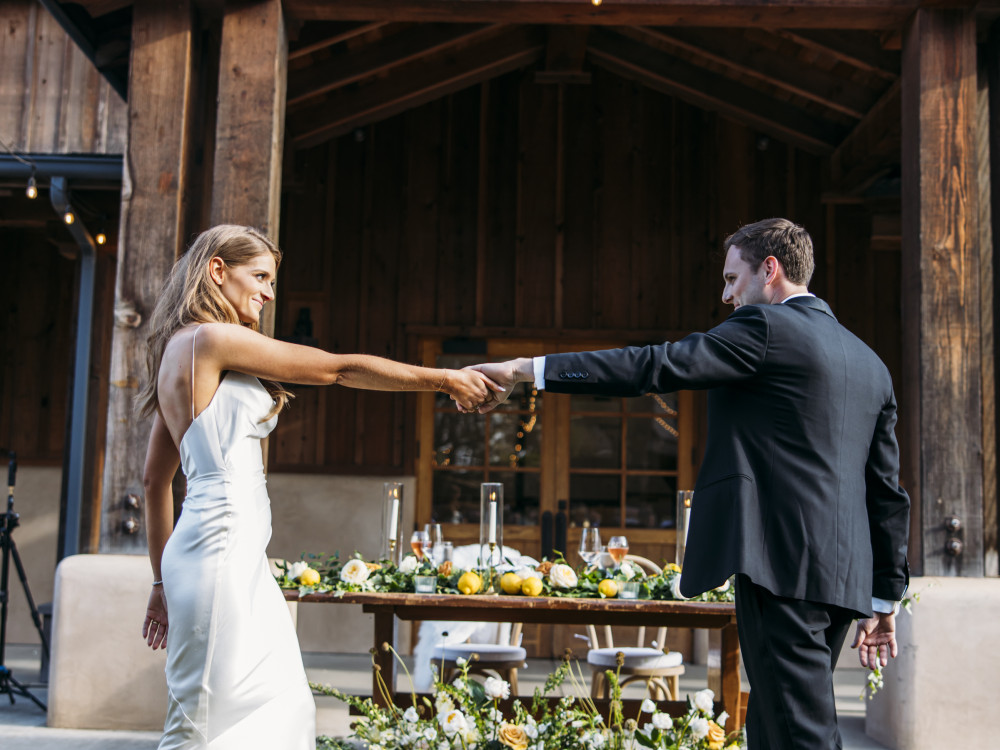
[[497, 659], [660, 669]]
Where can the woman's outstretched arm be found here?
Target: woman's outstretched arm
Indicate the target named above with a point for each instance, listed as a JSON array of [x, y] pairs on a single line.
[[162, 460], [230, 347]]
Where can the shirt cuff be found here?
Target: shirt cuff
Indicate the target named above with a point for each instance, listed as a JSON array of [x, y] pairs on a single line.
[[538, 364], [884, 606]]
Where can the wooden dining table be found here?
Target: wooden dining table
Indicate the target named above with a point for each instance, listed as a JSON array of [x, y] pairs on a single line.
[[388, 609]]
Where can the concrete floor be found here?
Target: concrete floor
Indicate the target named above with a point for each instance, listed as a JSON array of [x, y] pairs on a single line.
[[22, 725]]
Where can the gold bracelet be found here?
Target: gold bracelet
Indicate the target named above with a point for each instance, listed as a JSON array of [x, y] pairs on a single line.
[[440, 386]]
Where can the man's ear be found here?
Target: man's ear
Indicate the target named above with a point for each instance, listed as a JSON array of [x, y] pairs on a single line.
[[217, 269], [771, 269]]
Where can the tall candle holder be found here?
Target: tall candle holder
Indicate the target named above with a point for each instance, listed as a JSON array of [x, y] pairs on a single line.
[[392, 521], [490, 529], [685, 498]]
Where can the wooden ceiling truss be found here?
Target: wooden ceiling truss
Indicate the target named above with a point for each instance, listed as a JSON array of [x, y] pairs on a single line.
[[822, 75]]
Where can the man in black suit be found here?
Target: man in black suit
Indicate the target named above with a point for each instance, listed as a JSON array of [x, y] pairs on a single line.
[[797, 495]]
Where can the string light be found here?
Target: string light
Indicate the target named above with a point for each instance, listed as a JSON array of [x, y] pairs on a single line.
[[32, 190], [596, 2], [101, 238], [68, 217]]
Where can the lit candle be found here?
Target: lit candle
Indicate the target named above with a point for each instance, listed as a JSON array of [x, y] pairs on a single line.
[[394, 516], [493, 518], [687, 516]]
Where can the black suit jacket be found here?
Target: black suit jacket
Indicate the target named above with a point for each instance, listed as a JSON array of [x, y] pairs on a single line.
[[799, 486]]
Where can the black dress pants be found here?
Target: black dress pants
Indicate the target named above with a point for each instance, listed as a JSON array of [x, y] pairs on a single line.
[[790, 648]]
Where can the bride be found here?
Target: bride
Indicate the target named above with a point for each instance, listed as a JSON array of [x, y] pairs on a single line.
[[234, 671]]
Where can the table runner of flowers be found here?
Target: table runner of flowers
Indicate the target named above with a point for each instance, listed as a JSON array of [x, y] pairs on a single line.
[[323, 574]]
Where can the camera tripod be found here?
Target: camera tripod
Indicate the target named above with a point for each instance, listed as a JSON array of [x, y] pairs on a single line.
[[8, 551]]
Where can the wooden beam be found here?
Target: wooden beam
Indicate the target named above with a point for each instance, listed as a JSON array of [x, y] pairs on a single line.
[[406, 88], [406, 46], [857, 49], [871, 148], [249, 131], [317, 36], [846, 14], [743, 57], [154, 185], [940, 261], [709, 90], [564, 56], [989, 169]]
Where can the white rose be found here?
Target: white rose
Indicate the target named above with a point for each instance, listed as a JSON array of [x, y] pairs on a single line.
[[562, 576], [496, 688], [648, 707], [354, 572], [722, 718], [297, 569], [429, 734], [724, 587], [627, 570], [527, 572], [675, 589], [662, 720], [699, 727], [454, 721], [704, 700], [531, 730], [461, 661], [408, 564], [410, 715]]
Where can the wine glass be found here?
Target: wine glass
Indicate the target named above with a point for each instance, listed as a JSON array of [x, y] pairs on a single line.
[[618, 548], [419, 542], [590, 544], [435, 541]]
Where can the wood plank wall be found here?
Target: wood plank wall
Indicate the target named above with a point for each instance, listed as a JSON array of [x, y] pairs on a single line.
[[52, 99], [519, 209]]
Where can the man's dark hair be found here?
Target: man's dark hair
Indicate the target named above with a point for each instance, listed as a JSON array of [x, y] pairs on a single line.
[[785, 240]]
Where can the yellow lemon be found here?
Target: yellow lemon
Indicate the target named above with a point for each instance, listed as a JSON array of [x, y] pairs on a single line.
[[469, 583], [511, 583], [531, 586], [309, 577], [608, 588]]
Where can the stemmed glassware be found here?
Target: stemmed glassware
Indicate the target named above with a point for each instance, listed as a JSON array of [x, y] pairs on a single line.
[[618, 548], [420, 543], [590, 544]]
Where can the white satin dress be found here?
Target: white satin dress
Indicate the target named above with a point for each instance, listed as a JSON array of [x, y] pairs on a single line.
[[234, 670]]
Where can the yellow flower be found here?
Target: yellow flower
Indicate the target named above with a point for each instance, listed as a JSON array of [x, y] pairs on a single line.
[[544, 567], [716, 736], [674, 567], [513, 736], [445, 568]]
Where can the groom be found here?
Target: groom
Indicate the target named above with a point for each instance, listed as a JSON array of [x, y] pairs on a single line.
[[797, 495]]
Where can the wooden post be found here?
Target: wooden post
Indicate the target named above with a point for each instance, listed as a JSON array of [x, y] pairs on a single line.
[[246, 188], [153, 188], [941, 347]]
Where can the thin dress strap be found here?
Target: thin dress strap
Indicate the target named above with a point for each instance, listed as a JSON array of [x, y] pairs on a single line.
[[194, 339]]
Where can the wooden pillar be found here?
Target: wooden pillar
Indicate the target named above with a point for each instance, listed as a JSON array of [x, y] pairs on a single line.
[[989, 171], [941, 346], [151, 238], [246, 188]]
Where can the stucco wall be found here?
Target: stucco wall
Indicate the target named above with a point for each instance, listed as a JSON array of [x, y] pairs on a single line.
[[311, 513]]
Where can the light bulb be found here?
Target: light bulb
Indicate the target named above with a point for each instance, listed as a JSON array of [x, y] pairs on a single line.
[[32, 190], [68, 217], [596, 2], [101, 238]]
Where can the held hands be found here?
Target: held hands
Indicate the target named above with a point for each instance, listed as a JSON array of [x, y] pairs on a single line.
[[875, 639], [504, 376], [154, 628], [469, 389]]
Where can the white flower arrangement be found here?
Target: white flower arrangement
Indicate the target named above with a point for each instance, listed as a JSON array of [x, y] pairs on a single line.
[[355, 571], [563, 576], [465, 715]]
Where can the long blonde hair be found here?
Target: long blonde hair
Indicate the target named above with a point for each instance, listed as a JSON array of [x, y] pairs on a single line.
[[190, 296]]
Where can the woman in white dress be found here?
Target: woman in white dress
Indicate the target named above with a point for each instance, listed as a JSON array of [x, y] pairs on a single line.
[[234, 670]]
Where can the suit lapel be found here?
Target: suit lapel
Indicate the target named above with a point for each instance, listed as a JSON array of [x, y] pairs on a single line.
[[814, 303]]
